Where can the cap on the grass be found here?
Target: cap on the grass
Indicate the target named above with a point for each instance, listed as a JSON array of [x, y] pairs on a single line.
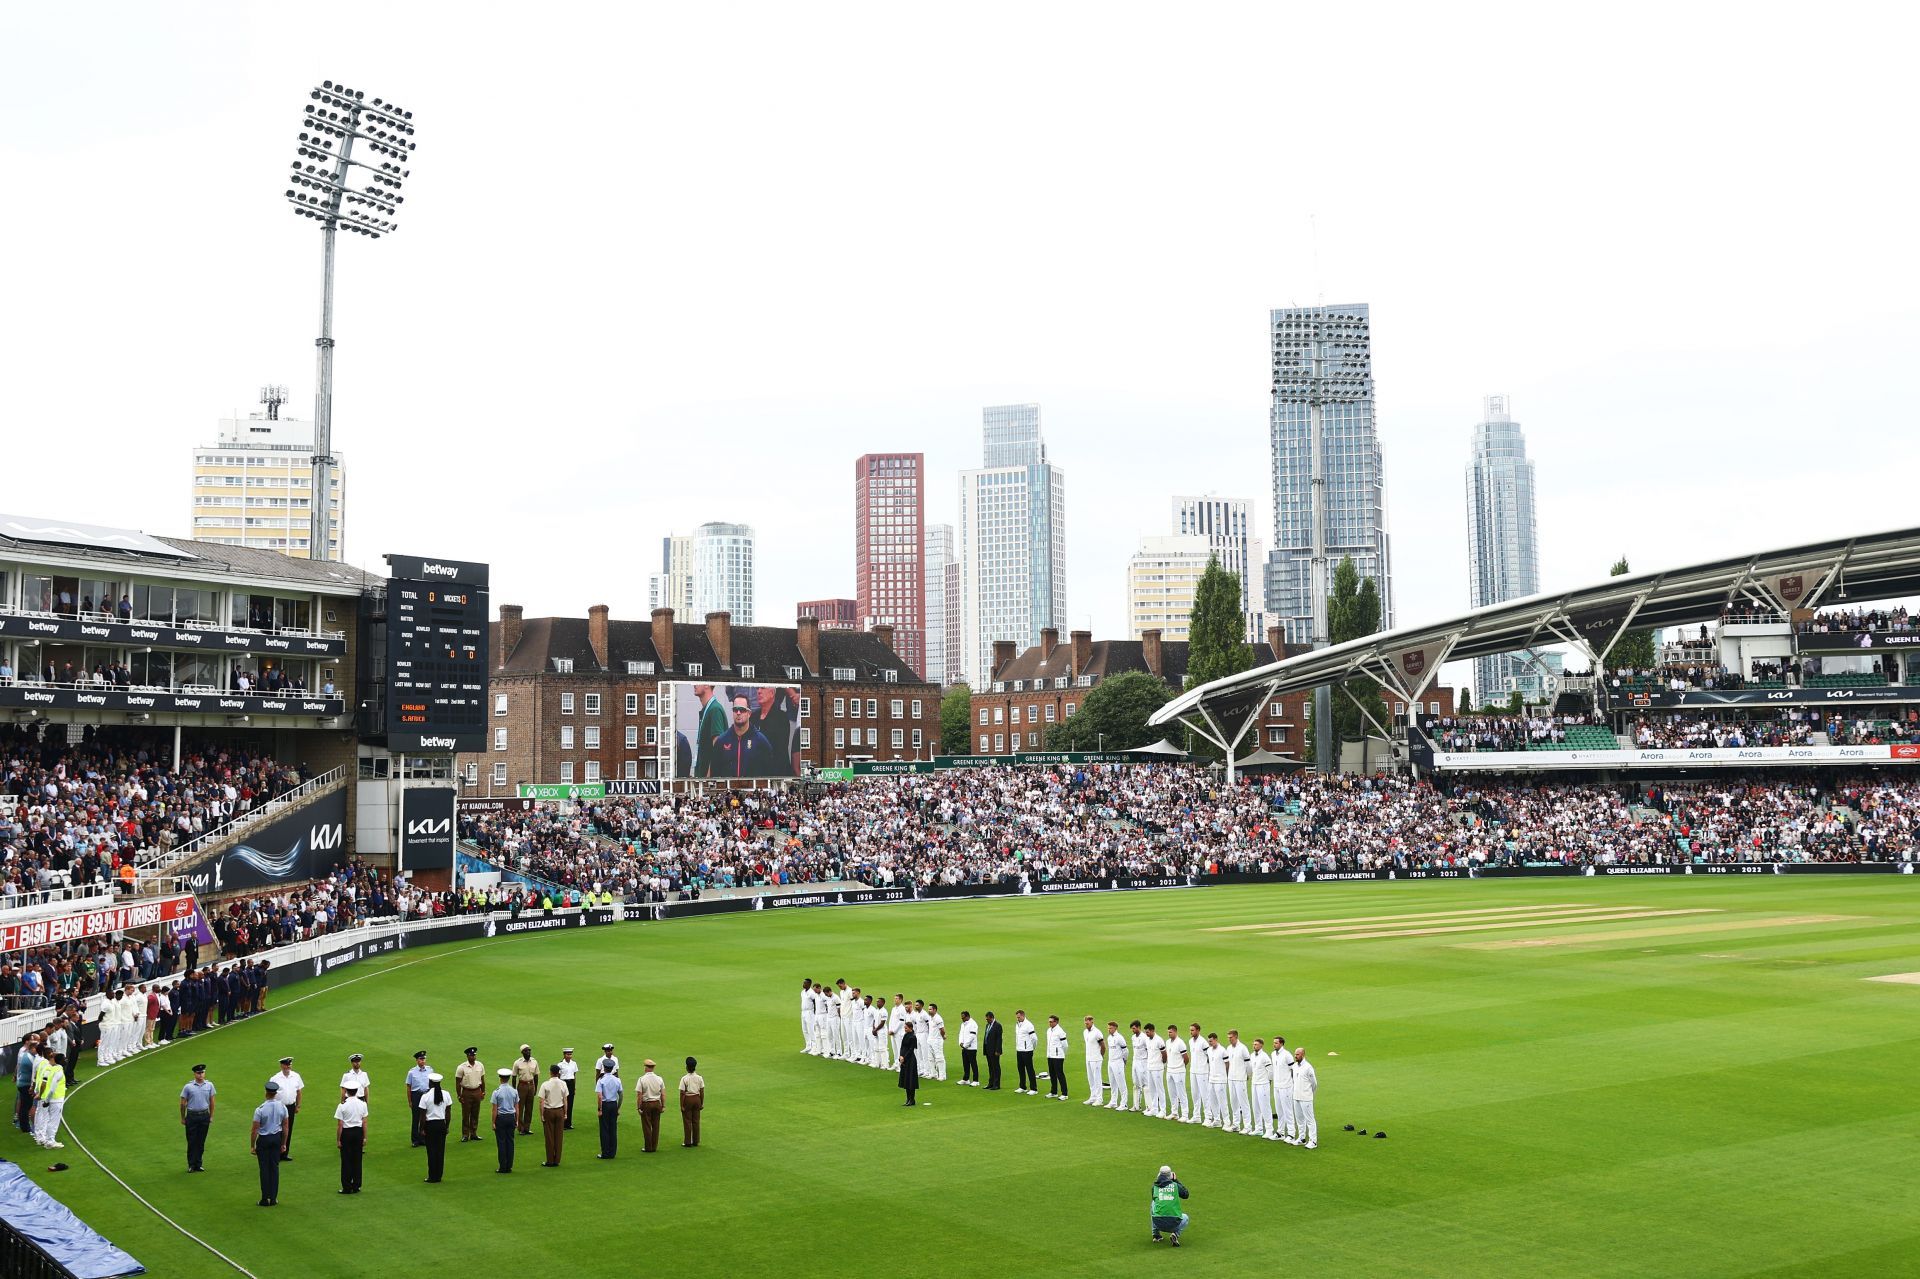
[[1379, 1134], [1349, 1127]]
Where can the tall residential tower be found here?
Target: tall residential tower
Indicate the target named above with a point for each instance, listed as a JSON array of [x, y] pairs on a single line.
[[1224, 522], [1329, 489], [1503, 560], [943, 604], [1013, 541], [890, 581]]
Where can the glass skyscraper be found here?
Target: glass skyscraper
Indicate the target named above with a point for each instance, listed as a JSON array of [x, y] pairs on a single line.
[[1323, 359], [1013, 541], [1503, 560]]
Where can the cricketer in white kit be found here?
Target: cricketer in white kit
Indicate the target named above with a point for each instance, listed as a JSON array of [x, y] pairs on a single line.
[[1305, 1084], [1096, 1061], [1116, 1067]]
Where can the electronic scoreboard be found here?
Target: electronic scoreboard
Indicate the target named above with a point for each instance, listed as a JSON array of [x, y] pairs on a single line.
[[437, 615]]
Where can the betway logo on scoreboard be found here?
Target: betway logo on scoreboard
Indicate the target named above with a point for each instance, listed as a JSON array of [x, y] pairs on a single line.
[[94, 923]]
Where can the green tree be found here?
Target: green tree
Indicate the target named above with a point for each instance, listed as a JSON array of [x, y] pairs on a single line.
[[1114, 715], [1216, 628], [1465, 700], [1353, 612], [956, 721], [1634, 650]]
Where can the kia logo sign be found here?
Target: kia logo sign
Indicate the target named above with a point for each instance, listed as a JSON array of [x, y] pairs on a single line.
[[428, 826], [325, 839]]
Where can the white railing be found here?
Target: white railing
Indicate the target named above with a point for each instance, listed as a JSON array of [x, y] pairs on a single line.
[[152, 862], [77, 614]]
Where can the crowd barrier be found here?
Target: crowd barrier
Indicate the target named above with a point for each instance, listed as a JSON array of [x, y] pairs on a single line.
[[661, 911]]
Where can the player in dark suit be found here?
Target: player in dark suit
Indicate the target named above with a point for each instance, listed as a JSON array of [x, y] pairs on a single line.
[[990, 1046]]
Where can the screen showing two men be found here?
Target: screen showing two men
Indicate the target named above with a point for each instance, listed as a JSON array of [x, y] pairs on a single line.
[[724, 731]]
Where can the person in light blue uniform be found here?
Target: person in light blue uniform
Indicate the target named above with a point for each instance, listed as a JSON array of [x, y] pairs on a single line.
[[606, 1091], [505, 1104], [268, 1138], [419, 1079]]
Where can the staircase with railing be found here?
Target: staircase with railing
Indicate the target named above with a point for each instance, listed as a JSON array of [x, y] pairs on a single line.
[[154, 867]]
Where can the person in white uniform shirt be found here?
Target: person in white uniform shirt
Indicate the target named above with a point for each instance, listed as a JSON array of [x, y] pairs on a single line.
[[356, 1081], [877, 1033], [1056, 1058], [608, 1064], [1116, 1067], [1137, 1044], [1026, 1041], [936, 1044], [1156, 1075], [896, 1026], [1096, 1048], [1216, 1082], [806, 1015], [1282, 1089], [1176, 1108], [1262, 1090], [838, 1029], [1305, 1084], [1239, 1063], [1197, 1065], [922, 1032], [969, 1050]]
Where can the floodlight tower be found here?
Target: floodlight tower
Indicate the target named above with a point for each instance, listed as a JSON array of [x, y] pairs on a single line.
[[323, 189]]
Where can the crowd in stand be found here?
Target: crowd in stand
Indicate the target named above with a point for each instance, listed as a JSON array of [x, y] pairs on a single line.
[[1499, 732], [80, 812], [349, 895], [1846, 620], [1004, 825]]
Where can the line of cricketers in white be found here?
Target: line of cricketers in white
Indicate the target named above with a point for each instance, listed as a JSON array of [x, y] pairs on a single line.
[[1234, 1088]]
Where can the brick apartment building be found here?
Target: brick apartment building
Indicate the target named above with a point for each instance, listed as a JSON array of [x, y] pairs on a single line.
[[579, 699], [1034, 690]]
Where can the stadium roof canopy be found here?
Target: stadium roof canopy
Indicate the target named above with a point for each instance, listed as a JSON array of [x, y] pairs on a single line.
[[1869, 567]]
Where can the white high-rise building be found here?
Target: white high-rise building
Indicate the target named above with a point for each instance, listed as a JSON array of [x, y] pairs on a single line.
[[1225, 523], [1503, 559], [935, 559], [723, 573], [251, 486], [1323, 373], [672, 586], [1012, 541], [1162, 577]]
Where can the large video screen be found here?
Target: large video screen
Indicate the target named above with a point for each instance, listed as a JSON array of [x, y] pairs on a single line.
[[726, 732]]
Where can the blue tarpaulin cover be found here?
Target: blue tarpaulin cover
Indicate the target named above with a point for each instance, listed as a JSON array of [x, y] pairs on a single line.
[[67, 1239]]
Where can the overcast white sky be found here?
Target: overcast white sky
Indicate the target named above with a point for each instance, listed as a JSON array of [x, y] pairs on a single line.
[[665, 264]]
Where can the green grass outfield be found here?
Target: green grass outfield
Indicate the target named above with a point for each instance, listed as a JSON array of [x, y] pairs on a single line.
[[1713, 1102]]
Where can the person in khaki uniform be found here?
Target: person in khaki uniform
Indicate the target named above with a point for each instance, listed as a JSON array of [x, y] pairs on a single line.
[[526, 1078], [693, 1099], [470, 1082], [553, 1113], [651, 1092]]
